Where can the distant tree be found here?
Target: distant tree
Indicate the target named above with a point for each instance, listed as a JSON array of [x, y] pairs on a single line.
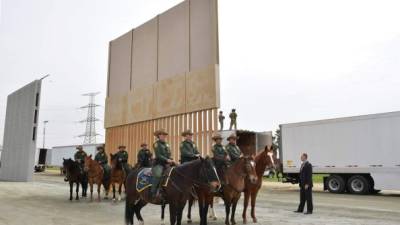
[[276, 139]]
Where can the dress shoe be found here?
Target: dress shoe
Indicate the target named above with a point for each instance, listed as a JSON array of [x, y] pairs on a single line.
[[307, 213], [297, 211]]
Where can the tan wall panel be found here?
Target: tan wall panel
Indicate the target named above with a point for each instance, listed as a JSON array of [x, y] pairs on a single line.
[[170, 96], [173, 41], [202, 90], [203, 34], [120, 65], [116, 111], [144, 54], [141, 104]]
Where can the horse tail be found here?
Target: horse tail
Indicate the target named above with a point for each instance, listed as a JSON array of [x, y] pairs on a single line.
[[129, 212]]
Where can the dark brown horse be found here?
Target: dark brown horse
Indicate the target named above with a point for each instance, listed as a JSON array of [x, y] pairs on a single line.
[[264, 160], [235, 175], [177, 191], [95, 175], [75, 174], [117, 175]]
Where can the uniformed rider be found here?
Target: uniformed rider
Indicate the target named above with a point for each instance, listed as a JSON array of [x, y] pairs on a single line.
[[162, 159], [79, 156], [220, 156], [188, 148], [232, 148], [122, 156], [102, 159], [144, 156]]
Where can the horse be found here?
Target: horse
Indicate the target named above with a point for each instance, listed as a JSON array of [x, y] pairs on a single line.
[[235, 175], [117, 175], [177, 189], [74, 174], [264, 160], [96, 176]]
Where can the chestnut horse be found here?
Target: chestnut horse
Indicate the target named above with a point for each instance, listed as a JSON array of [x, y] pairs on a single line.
[[74, 174], [117, 175], [235, 175], [264, 160], [176, 192], [95, 176]]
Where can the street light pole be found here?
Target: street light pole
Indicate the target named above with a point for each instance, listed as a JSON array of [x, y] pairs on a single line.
[[44, 132]]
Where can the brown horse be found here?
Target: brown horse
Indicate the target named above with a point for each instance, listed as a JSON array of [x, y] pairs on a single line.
[[177, 191], [117, 175], [95, 176], [235, 175], [264, 160]]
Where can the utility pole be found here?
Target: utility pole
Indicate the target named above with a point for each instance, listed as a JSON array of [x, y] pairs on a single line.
[[90, 132], [44, 132]]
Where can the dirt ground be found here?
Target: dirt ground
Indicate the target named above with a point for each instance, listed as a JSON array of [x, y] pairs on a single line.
[[45, 202]]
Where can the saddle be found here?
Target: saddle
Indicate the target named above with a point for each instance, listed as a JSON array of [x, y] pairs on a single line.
[[145, 176]]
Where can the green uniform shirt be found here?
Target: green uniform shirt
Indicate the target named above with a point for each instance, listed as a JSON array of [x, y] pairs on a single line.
[[144, 156], [123, 156], [80, 156], [162, 152], [219, 152], [101, 157], [233, 116], [233, 151], [188, 150]]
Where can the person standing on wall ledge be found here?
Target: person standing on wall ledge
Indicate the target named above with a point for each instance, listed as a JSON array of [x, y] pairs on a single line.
[[221, 119], [306, 184], [188, 148], [233, 117]]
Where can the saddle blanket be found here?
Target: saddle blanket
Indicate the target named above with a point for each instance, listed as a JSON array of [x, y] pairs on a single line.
[[145, 176]]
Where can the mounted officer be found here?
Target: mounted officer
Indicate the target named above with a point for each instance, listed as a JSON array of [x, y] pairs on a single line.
[[102, 159], [220, 156], [79, 156], [163, 159], [122, 156], [144, 157], [232, 149], [188, 148]]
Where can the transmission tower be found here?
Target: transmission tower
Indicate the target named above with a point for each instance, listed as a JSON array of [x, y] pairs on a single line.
[[90, 132]]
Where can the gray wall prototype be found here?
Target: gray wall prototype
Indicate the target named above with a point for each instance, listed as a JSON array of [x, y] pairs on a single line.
[[20, 133]]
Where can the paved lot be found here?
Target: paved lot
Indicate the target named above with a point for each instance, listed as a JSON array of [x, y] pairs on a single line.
[[44, 202]]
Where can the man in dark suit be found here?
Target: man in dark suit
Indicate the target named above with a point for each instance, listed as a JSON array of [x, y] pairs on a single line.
[[306, 184]]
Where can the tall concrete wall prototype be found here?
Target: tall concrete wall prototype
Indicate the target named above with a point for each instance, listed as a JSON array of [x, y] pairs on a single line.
[[20, 133]]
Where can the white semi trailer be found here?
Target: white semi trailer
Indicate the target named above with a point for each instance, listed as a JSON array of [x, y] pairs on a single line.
[[358, 154]]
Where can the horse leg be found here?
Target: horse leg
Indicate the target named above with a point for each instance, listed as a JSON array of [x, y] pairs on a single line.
[[120, 190], [246, 203], [189, 215], [227, 210], [213, 215], [138, 207], [98, 191], [234, 204], [253, 206], [130, 209], [71, 187], [179, 214], [172, 213], [77, 191], [162, 214], [113, 186], [91, 191]]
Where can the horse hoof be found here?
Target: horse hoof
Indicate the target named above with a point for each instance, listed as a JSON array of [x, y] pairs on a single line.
[[254, 220], [141, 222], [244, 221], [214, 218], [189, 221]]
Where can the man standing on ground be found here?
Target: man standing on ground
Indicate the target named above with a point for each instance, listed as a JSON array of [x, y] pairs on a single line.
[[221, 119], [306, 184]]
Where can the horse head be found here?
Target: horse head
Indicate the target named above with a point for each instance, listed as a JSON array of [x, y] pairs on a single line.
[[270, 159], [249, 168], [209, 174], [115, 163], [88, 163]]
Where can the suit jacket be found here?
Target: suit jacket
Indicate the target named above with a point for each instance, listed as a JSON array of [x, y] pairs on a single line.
[[305, 176]]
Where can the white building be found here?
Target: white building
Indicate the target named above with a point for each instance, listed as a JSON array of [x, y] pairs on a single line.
[[55, 155]]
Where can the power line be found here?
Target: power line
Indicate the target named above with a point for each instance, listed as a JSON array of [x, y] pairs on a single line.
[[90, 132]]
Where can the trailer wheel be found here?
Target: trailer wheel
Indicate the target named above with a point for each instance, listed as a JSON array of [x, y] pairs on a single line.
[[335, 184], [358, 184]]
